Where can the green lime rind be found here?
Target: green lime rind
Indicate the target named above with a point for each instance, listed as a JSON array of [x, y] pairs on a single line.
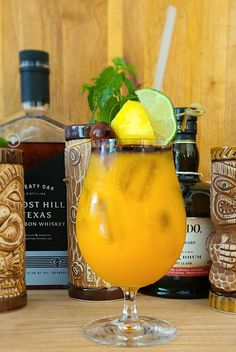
[[161, 113]]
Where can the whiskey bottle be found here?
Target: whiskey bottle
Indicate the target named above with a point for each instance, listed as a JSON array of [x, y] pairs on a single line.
[[84, 283], [188, 278], [42, 140]]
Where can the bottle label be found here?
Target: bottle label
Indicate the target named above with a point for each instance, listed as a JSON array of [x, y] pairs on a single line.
[[45, 214], [46, 268], [194, 259]]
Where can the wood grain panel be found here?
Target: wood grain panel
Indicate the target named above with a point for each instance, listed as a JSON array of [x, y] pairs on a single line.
[[134, 35], [75, 35], [114, 29], [82, 36], [197, 69], [229, 134]]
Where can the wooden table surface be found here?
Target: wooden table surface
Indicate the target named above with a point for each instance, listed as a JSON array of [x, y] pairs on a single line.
[[53, 322]]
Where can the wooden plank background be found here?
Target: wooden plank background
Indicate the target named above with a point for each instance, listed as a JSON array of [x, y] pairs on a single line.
[[82, 36]]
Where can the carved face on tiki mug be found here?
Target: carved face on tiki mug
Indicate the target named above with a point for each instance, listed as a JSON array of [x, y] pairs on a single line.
[[223, 242], [223, 192], [12, 236]]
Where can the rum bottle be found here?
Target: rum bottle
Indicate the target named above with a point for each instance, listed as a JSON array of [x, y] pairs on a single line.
[[188, 278], [42, 140]]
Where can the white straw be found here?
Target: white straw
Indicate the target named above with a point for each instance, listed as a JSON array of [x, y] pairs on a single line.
[[164, 47]]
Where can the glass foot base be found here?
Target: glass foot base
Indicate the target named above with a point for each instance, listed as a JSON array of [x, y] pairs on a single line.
[[114, 332]]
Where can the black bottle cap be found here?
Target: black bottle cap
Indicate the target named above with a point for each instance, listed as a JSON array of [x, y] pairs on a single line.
[[77, 131], [34, 77], [34, 56], [188, 127]]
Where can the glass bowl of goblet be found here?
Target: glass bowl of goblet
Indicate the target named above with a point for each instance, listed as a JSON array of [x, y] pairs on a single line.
[[130, 228]]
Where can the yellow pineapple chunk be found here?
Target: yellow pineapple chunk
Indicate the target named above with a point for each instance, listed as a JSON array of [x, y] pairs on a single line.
[[132, 121]]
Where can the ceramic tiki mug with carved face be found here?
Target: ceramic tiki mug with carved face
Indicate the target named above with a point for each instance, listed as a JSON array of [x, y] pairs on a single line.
[[12, 230], [223, 242], [84, 283]]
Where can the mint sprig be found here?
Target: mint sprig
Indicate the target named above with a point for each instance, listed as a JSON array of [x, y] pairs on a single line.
[[110, 90]]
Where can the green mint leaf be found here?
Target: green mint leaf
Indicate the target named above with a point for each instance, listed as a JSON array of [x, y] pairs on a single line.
[[111, 88], [85, 87], [116, 84], [132, 97], [3, 142], [102, 116], [105, 93], [131, 69], [92, 99], [105, 113], [123, 100], [119, 62], [92, 121], [105, 77], [124, 66], [129, 84], [114, 111]]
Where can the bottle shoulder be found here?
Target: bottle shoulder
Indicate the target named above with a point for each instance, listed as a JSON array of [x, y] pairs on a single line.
[[199, 185], [196, 194], [35, 127]]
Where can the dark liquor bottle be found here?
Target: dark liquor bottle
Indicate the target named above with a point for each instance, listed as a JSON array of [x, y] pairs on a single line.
[[84, 283], [42, 140], [188, 278]]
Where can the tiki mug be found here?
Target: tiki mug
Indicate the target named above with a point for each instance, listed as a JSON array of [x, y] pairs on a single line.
[[12, 231], [84, 283], [223, 241]]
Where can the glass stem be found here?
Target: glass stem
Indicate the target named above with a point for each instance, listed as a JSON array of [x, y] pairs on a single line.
[[130, 313]]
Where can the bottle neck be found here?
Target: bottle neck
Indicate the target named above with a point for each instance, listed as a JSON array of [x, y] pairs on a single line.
[[186, 154], [34, 79], [35, 108]]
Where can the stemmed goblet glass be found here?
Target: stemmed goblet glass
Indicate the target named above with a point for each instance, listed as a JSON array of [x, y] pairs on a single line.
[[130, 229]]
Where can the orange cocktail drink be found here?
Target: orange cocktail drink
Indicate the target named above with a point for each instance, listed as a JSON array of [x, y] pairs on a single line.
[[131, 218]]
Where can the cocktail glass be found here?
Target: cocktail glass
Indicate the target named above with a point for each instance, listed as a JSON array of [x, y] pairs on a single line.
[[131, 229]]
